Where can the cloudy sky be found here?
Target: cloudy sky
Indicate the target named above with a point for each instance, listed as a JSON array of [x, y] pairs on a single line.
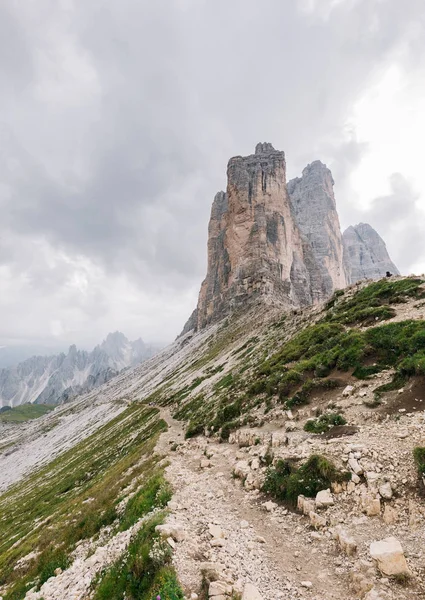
[[117, 120]]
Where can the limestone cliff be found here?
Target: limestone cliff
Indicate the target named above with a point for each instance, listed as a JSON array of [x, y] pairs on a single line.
[[280, 242], [314, 209], [254, 245], [365, 254]]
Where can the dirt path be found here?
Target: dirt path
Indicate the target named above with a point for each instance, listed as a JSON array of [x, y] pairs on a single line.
[[274, 550]]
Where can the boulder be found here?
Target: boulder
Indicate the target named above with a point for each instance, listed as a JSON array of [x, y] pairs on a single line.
[[219, 588], [385, 491], [176, 532], [215, 531], [324, 499], [390, 515], [347, 543], [389, 555], [317, 521], [250, 592]]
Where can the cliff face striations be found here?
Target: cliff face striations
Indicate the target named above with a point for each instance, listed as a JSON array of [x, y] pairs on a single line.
[[272, 240], [314, 209], [365, 254], [254, 246]]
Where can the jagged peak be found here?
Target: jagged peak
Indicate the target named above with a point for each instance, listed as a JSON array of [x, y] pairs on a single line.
[[264, 148]]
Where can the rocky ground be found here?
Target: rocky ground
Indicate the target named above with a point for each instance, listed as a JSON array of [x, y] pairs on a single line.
[[229, 540], [240, 537]]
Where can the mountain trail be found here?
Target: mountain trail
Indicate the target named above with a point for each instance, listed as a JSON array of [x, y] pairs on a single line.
[[230, 527]]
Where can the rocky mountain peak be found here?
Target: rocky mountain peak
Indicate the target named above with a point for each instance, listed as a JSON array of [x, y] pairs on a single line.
[[264, 148], [277, 242], [365, 254]]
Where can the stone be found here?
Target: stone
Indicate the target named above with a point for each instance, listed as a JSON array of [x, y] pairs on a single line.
[[354, 466], [241, 469], [385, 491], [307, 584], [219, 588], [205, 463], [371, 505], [317, 521], [347, 543], [365, 254], [348, 390], [215, 531], [174, 531], [390, 515], [389, 555], [244, 524], [324, 499], [250, 592], [270, 506]]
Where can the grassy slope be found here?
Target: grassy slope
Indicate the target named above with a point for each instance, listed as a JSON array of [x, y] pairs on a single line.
[[217, 387], [77, 494], [25, 412], [294, 356]]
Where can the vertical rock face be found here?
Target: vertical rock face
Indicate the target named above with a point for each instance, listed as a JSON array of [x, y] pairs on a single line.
[[365, 254], [314, 209], [280, 242], [254, 246]]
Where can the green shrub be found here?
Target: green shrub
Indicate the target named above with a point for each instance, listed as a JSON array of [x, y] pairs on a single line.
[[285, 482], [194, 428], [324, 423], [419, 456]]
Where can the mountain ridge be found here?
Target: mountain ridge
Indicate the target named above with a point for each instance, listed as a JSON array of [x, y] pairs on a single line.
[[58, 377], [280, 242]]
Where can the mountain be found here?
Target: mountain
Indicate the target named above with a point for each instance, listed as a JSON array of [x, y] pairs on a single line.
[[53, 379], [279, 242], [365, 254], [219, 435]]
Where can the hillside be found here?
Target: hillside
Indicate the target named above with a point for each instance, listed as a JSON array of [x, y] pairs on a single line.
[[249, 414]]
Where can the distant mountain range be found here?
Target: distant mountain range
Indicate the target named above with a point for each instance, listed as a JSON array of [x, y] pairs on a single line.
[[54, 379]]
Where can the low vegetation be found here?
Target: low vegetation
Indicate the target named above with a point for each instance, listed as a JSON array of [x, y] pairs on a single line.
[[78, 493], [419, 457], [373, 302], [284, 481], [24, 412], [145, 572], [324, 422]]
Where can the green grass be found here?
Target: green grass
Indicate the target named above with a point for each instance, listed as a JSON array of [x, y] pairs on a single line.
[[142, 575], [419, 457], [286, 482], [372, 303], [25, 412], [77, 494], [324, 423]]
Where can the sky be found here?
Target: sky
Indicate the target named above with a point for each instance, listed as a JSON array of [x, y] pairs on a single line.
[[117, 120]]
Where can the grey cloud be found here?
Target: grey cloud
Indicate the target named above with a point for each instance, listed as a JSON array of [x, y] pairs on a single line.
[[118, 119]]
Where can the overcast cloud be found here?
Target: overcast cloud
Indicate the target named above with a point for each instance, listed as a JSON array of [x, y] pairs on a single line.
[[117, 120]]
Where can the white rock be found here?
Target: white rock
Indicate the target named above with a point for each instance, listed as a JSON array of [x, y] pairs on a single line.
[[270, 506], [386, 491], [389, 556], [250, 592], [324, 499], [354, 466], [307, 584], [215, 531], [219, 588], [175, 531], [347, 391]]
